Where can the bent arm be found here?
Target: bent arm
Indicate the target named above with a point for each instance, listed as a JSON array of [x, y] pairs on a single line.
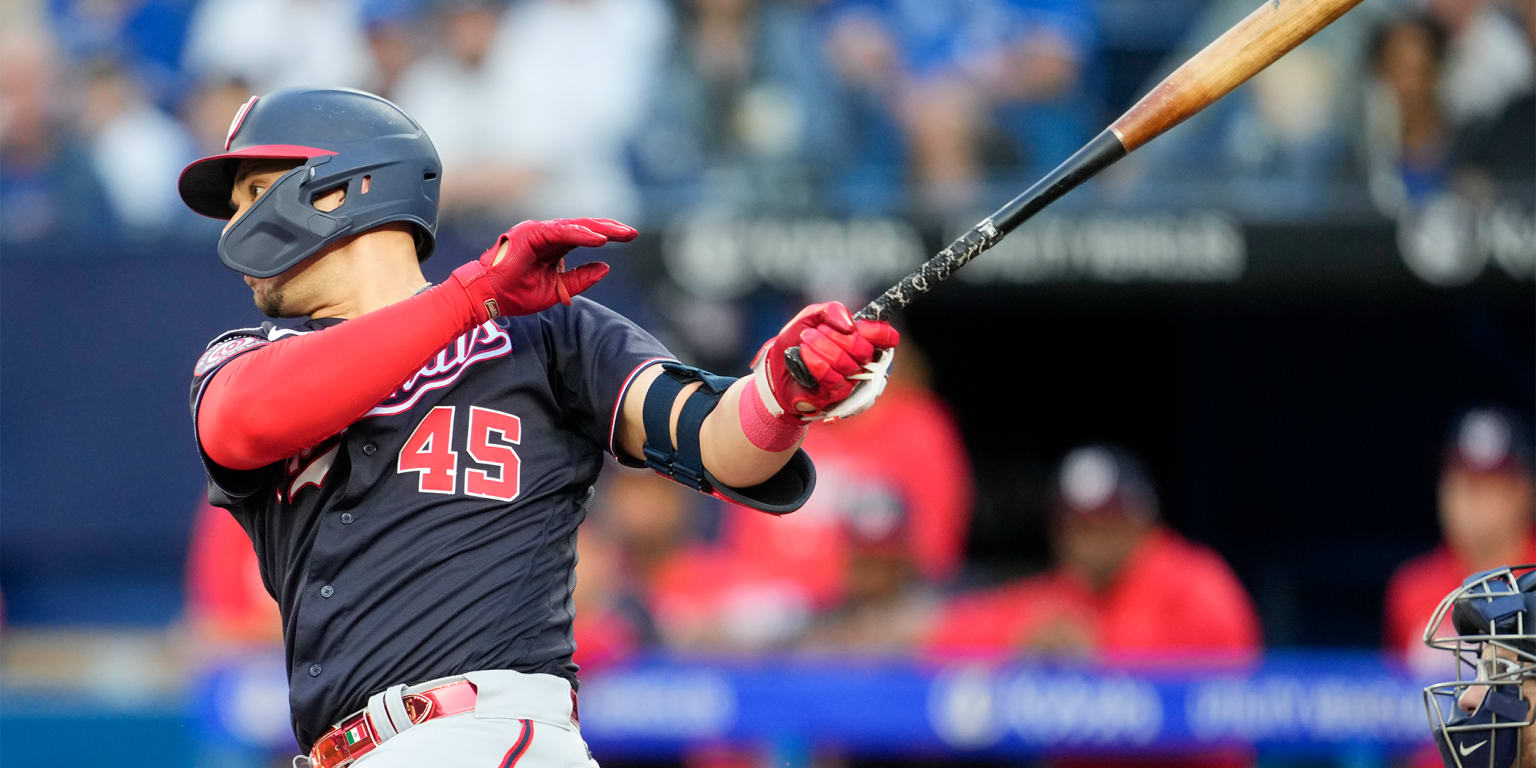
[[279, 399], [729, 454]]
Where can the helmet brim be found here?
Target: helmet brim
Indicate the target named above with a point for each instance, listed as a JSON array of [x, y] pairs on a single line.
[[205, 185]]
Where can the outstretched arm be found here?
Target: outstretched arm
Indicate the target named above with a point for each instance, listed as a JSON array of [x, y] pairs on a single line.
[[278, 399]]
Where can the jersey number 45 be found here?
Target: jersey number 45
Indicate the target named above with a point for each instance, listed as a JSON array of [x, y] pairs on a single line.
[[429, 453]]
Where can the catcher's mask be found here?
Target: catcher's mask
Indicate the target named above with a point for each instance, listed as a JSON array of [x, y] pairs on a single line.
[[340, 138], [1493, 616]]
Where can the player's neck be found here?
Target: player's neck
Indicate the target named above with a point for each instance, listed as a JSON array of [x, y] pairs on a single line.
[[1499, 552], [376, 270]]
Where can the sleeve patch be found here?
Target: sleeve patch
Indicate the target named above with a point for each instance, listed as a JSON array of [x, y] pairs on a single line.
[[224, 350]]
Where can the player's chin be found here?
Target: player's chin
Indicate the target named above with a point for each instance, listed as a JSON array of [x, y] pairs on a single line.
[[269, 299]]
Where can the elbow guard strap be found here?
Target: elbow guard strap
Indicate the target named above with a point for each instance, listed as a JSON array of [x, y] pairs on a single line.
[[785, 492]]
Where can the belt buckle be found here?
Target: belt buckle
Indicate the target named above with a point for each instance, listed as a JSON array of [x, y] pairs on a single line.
[[331, 752], [417, 707]]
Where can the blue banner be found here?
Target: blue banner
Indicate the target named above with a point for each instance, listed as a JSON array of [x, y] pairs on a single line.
[[1302, 703], [1312, 703]]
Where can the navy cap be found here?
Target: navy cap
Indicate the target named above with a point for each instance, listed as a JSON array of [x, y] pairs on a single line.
[[1103, 478], [1488, 440], [875, 517]]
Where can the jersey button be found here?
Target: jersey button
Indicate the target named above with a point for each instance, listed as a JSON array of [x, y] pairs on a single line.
[[314, 670], [370, 449], [346, 518], [327, 591]]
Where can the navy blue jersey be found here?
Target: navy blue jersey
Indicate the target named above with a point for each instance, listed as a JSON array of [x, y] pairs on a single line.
[[437, 534]]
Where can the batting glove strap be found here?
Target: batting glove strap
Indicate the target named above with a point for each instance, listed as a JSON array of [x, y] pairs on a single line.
[[472, 278], [871, 384], [762, 384]]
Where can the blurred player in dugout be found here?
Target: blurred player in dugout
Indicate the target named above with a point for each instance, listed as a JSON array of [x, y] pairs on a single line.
[[1486, 510], [1124, 586], [1486, 507]]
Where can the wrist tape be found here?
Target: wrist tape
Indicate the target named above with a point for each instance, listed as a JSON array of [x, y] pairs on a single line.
[[763, 429]]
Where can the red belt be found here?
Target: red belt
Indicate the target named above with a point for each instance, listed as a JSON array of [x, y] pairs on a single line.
[[355, 736]]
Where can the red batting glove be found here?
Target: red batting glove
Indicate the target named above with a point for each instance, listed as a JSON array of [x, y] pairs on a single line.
[[833, 346], [524, 271]]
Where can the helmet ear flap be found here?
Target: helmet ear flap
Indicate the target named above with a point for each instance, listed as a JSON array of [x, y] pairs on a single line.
[[281, 228]]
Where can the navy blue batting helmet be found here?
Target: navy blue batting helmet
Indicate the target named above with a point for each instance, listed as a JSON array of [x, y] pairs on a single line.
[[340, 137]]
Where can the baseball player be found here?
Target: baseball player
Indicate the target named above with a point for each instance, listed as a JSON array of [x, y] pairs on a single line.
[[411, 462], [1483, 718]]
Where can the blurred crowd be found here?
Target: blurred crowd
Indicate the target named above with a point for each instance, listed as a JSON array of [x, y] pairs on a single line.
[[638, 108]]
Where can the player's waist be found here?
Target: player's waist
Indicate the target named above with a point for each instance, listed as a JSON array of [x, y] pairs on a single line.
[[489, 693]]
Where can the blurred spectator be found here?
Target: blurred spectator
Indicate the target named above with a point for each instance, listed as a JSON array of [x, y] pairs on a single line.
[[229, 610], [1504, 148], [393, 28], [138, 150], [207, 110], [532, 112], [746, 109], [147, 36], [1486, 506], [275, 44], [1488, 62], [672, 586], [941, 66], [232, 624], [1407, 132], [1124, 585], [606, 631], [886, 605], [638, 523], [905, 456], [456, 93], [48, 187]]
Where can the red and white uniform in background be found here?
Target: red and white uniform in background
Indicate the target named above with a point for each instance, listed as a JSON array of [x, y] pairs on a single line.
[[769, 575], [1173, 597], [1416, 587], [229, 607]]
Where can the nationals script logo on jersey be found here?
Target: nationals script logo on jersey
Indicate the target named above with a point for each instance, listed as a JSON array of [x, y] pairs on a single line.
[[220, 351], [486, 342]]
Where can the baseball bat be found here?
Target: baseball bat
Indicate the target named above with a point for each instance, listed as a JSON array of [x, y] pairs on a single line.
[[1241, 52]]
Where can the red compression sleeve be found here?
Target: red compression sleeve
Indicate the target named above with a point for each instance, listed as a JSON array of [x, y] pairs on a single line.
[[269, 404]]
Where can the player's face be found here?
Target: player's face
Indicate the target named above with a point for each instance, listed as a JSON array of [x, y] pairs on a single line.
[[1496, 661], [1482, 511], [285, 294], [1097, 544]]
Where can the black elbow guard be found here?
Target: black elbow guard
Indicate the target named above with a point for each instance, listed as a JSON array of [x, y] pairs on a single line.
[[781, 494]]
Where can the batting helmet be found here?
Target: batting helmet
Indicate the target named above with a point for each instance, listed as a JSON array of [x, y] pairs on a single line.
[[342, 136], [1478, 719]]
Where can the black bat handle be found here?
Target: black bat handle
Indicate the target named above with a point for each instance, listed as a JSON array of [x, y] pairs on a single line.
[[1094, 156]]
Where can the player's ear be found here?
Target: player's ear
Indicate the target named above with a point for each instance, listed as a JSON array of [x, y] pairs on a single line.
[[331, 199]]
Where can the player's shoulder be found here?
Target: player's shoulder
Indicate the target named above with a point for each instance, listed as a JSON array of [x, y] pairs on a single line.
[[237, 341], [1170, 555], [585, 310], [1432, 570], [580, 321]]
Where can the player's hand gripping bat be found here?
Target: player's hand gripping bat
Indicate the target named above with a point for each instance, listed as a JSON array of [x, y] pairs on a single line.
[[1253, 44]]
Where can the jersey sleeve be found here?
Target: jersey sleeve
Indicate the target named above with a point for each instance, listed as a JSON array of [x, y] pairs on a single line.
[[596, 354], [226, 486]]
